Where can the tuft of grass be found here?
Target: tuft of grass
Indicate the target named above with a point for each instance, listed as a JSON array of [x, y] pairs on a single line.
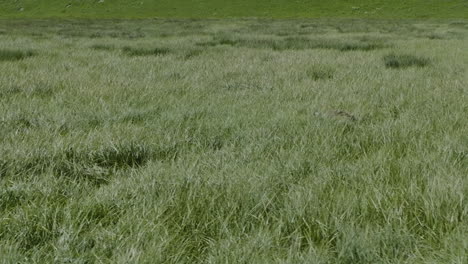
[[320, 73], [34, 228], [15, 55], [103, 214], [3, 168], [10, 198], [396, 61], [189, 54], [130, 51]]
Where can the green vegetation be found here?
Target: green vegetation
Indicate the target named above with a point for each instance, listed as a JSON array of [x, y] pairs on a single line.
[[295, 43], [12, 55], [320, 73], [233, 141], [233, 8], [144, 52], [403, 61], [102, 47]]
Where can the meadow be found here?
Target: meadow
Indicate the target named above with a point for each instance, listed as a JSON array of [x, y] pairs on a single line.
[[118, 9], [233, 141]]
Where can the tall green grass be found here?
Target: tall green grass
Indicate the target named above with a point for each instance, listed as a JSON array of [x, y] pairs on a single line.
[[235, 152]]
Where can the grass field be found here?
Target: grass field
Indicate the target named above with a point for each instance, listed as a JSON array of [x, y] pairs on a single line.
[[234, 8], [233, 141]]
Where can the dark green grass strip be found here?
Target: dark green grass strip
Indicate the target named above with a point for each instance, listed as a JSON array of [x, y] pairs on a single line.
[[15, 55], [102, 47], [295, 43], [129, 51], [404, 61]]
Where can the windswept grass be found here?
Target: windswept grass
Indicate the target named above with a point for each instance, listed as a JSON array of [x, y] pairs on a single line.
[[95, 166], [269, 141]]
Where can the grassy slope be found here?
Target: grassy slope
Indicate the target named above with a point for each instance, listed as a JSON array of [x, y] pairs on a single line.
[[236, 8]]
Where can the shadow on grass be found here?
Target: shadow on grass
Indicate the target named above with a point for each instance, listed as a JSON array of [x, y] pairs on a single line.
[[320, 73], [39, 89], [102, 47], [396, 61], [15, 55], [138, 52], [295, 43], [94, 166]]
